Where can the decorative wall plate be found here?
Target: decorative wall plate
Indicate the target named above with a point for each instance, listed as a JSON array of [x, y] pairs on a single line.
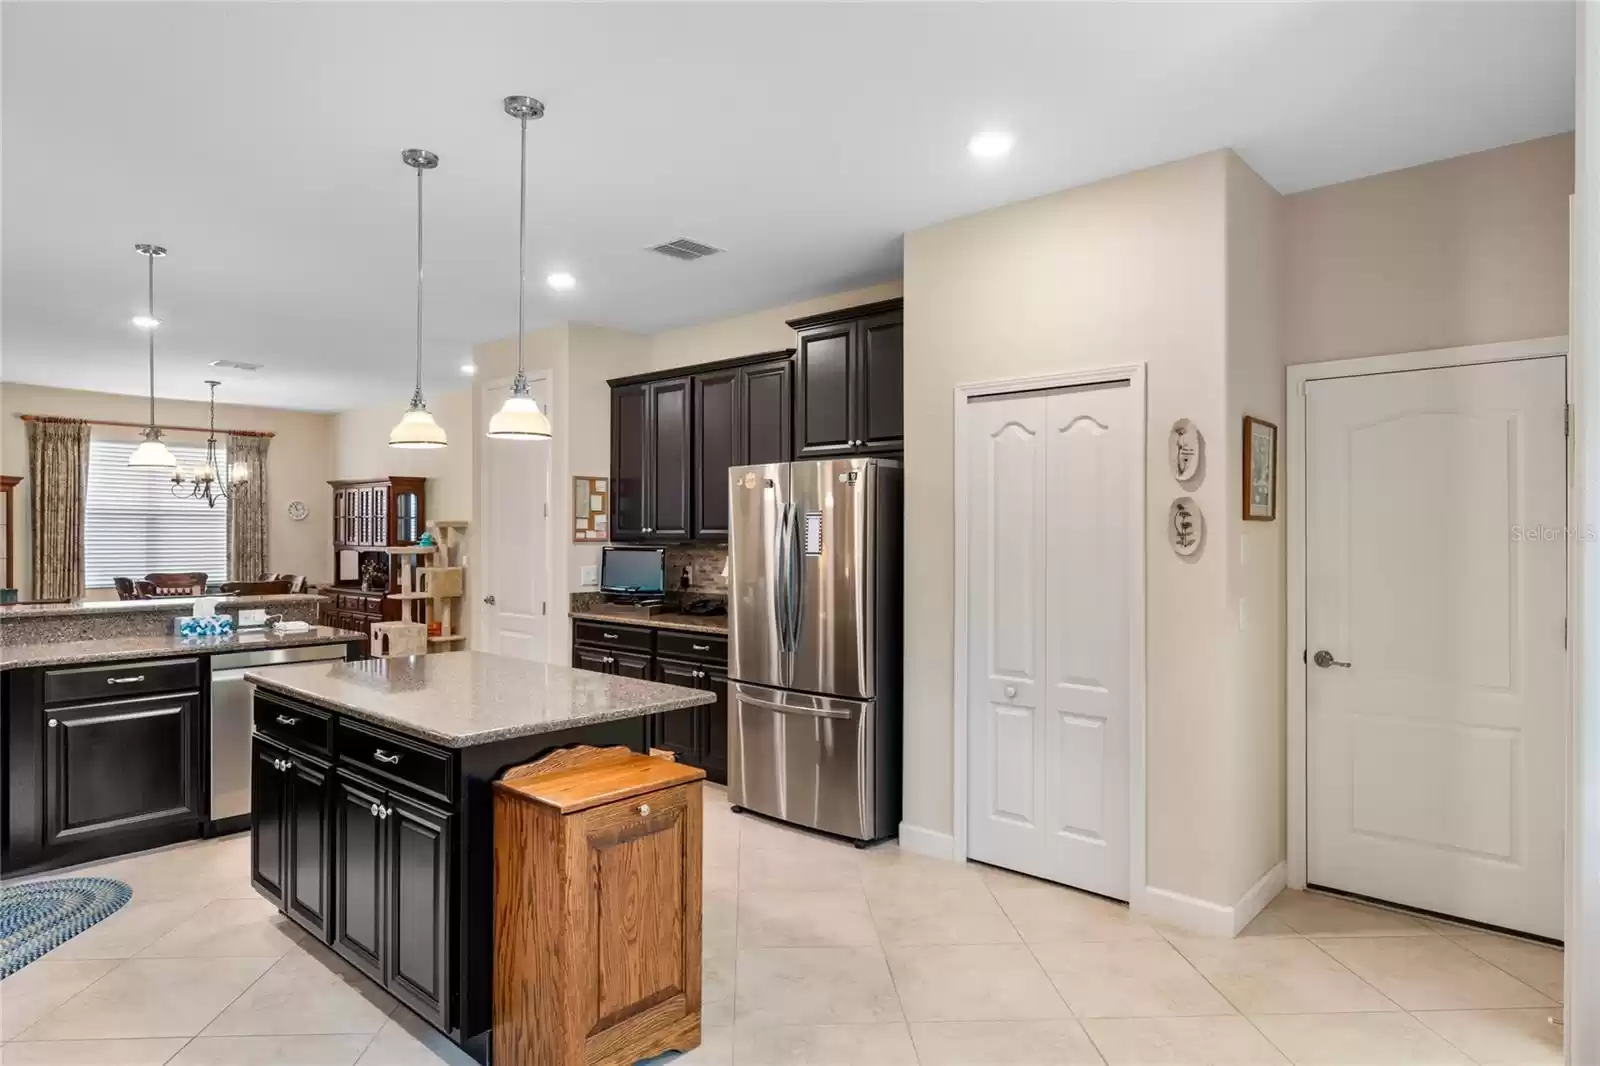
[[298, 510], [1185, 451], [1186, 526]]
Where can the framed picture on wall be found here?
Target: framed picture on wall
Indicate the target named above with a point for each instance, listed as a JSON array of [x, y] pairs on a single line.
[[1260, 470]]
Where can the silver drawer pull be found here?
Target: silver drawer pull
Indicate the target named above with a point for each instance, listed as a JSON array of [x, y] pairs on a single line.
[[124, 680], [383, 756], [701, 647], [609, 636], [288, 719]]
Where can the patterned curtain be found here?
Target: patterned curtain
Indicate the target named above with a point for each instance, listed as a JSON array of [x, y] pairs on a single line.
[[247, 510], [58, 466]]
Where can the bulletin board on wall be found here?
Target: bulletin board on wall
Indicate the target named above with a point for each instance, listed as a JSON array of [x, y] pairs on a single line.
[[591, 509]]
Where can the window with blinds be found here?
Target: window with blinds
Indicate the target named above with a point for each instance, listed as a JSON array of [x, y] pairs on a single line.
[[133, 525]]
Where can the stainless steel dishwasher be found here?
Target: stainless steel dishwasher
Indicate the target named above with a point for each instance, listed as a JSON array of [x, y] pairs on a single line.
[[231, 698]]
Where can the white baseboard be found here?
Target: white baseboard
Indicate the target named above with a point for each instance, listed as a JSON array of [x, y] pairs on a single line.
[[1205, 917], [929, 842]]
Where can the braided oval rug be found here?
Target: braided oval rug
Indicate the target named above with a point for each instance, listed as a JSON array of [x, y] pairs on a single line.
[[40, 915]]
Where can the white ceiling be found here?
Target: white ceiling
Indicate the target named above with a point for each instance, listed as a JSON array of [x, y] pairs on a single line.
[[261, 143]]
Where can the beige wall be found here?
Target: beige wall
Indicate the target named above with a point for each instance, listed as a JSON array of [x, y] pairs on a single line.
[[299, 463], [1129, 270], [758, 331], [1464, 251]]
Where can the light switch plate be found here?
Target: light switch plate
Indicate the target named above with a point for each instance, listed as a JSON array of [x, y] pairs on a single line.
[[591, 576], [249, 619]]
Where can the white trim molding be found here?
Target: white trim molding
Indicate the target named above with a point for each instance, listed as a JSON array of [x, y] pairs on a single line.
[[1205, 918], [1134, 375], [920, 840], [1295, 514]]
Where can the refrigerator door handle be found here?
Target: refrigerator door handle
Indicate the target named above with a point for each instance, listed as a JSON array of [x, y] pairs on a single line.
[[780, 556], [794, 590], [809, 712]]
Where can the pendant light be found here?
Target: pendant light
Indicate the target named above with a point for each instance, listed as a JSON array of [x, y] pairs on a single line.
[[205, 480], [520, 417], [152, 454], [416, 428]]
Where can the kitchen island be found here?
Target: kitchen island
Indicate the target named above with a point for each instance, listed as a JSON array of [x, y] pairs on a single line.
[[372, 810]]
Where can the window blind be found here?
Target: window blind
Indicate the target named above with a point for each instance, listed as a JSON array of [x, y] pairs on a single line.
[[133, 525]]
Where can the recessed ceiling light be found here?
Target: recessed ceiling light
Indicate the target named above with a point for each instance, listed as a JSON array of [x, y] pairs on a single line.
[[145, 321], [468, 368], [990, 144], [561, 282]]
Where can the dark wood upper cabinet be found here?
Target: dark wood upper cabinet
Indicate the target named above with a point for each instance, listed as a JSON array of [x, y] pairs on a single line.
[[849, 393], [766, 406], [630, 427], [717, 434], [671, 444]]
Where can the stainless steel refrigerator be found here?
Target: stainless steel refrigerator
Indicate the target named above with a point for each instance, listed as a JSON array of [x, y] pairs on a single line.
[[814, 651]]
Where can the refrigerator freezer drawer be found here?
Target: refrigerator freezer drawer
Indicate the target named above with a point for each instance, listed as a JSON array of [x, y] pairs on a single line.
[[810, 760]]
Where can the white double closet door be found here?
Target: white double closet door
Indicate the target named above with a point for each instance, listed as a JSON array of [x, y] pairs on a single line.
[[1054, 486], [1436, 585]]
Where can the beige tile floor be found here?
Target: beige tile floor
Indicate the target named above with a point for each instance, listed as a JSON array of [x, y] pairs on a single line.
[[819, 955]]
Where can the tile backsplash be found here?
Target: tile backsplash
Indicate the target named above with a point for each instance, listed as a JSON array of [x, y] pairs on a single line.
[[705, 563]]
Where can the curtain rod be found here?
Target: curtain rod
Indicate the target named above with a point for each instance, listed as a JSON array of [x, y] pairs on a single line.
[[141, 425]]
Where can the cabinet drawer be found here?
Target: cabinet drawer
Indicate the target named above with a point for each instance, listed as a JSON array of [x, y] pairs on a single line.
[[605, 635], [294, 724], [700, 647], [116, 680], [423, 768]]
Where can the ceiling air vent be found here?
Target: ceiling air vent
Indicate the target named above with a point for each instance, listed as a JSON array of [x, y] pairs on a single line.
[[685, 249], [230, 364]]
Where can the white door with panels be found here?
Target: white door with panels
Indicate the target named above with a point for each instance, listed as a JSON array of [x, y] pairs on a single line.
[[1052, 481], [1436, 681], [515, 538]]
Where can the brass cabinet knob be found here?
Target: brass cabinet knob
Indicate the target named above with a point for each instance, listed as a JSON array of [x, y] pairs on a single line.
[[644, 810]]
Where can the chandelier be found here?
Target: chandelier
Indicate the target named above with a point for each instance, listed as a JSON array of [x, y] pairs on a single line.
[[204, 481]]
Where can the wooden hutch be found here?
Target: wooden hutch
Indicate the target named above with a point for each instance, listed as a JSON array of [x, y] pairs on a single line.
[[370, 516]]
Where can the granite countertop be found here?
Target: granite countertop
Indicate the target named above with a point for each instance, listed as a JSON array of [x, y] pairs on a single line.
[[465, 698], [121, 649], [183, 604], [692, 623]]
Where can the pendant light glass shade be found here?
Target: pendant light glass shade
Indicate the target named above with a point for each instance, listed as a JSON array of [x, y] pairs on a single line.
[[152, 454], [416, 428], [520, 417]]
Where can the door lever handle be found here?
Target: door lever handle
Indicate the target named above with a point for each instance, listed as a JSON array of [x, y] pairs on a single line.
[[1325, 659], [489, 599]]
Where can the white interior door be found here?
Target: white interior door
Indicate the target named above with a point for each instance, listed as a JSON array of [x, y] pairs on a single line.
[[1436, 569], [516, 537], [1050, 476]]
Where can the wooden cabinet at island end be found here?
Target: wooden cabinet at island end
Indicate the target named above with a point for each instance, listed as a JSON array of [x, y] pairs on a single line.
[[597, 908], [849, 389]]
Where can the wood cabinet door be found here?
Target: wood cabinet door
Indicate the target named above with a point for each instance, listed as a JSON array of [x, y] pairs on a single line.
[[879, 386], [680, 732], [420, 919], [669, 459], [717, 433], [628, 664], [825, 396], [268, 821], [308, 840], [629, 491], [633, 911], [714, 716], [120, 765], [591, 659], [765, 416], [360, 869]]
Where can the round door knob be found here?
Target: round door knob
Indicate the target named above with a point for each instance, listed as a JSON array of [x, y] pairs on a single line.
[[644, 810], [1011, 692], [489, 599]]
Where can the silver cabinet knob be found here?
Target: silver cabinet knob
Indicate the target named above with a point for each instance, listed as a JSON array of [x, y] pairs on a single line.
[[1011, 692], [489, 599], [52, 723], [644, 810], [1325, 659], [375, 809]]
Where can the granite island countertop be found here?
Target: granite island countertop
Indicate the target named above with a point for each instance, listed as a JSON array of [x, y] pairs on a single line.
[[465, 698], [157, 646], [716, 624]]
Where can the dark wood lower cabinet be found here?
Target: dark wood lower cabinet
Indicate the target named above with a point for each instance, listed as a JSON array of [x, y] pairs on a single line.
[[630, 664], [714, 751], [359, 872], [292, 829], [268, 818], [680, 732]]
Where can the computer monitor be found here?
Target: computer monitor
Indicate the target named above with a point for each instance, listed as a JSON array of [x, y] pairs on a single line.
[[633, 571]]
